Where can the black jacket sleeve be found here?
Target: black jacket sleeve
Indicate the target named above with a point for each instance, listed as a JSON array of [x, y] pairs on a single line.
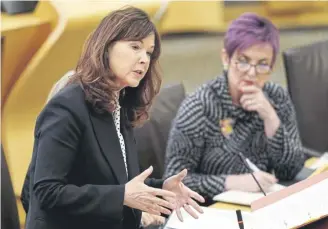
[[58, 134]]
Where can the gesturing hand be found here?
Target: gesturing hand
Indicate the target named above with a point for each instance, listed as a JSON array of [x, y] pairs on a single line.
[[149, 219], [140, 196], [184, 196]]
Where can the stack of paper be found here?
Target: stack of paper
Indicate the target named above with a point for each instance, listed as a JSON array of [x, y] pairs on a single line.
[[291, 207], [211, 218], [304, 206], [323, 160], [244, 198]]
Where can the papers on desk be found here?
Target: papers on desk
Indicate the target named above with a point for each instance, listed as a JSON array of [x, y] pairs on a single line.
[[242, 197], [211, 218], [295, 210], [300, 204], [323, 160]]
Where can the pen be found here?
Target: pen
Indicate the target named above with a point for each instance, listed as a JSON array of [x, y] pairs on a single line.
[[252, 166], [244, 160], [240, 219]]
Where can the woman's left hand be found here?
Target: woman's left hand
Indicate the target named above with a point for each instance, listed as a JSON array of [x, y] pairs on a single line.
[[184, 196]]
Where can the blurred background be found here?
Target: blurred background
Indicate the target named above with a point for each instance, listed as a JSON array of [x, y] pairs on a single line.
[[42, 40]]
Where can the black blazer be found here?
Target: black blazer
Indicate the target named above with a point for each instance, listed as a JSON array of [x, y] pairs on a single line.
[[77, 174]]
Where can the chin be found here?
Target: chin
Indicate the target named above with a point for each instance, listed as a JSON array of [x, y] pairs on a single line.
[[134, 83]]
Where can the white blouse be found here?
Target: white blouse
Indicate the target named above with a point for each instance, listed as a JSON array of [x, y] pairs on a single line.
[[117, 117]]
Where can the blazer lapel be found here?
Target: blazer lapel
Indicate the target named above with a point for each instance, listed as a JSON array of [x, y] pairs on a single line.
[[105, 132]]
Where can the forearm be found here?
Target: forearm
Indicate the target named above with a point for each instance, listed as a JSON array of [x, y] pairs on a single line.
[[271, 124], [284, 150], [100, 201]]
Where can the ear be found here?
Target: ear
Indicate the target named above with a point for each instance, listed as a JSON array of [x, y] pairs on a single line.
[[225, 59]]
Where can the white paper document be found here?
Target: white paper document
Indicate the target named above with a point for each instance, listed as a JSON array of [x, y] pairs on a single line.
[[211, 218], [244, 198], [323, 160], [295, 210]]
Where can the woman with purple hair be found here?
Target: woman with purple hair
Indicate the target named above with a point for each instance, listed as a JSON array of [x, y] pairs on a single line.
[[238, 112]]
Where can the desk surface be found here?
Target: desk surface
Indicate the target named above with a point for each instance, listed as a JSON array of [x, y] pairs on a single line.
[[222, 205]]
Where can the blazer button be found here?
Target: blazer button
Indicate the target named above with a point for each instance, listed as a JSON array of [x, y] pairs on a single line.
[[122, 218]]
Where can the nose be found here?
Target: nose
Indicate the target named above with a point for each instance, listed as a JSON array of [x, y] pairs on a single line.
[[252, 72], [144, 58]]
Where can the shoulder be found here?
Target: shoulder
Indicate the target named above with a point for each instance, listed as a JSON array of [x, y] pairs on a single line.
[[207, 94], [198, 107], [68, 103]]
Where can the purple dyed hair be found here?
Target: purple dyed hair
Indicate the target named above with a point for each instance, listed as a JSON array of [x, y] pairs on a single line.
[[250, 29]]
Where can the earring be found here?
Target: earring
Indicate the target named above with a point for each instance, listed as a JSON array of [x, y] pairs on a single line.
[[225, 67]]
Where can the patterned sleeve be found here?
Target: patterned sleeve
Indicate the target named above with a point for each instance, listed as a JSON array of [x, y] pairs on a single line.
[[186, 145], [285, 147]]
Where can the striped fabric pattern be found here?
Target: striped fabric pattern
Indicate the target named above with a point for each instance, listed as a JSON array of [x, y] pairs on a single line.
[[197, 143]]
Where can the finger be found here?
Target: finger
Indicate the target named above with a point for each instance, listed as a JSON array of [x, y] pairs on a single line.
[[249, 89], [196, 196], [251, 107], [159, 220], [193, 204], [154, 212], [246, 97], [164, 210], [161, 202], [148, 208], [182, 175], [264, 183], [145, 219], [151, 204], [190, 211], [247, 102], [270, 178], [161, 192], [179, 215], [142, 176]]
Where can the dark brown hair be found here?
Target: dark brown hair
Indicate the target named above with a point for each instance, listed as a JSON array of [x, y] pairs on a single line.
[[96, 77]]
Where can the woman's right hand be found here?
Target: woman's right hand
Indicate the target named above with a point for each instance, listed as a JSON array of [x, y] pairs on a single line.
[[245, 182], [140, 196]]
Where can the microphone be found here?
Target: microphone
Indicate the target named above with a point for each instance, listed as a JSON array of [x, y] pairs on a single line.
[[243, 159]]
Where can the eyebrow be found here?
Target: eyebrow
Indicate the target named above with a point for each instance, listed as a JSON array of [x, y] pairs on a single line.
[[249, 58], [150, 47]]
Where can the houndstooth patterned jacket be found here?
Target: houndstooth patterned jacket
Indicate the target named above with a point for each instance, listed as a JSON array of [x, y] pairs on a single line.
[[197, 142]]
